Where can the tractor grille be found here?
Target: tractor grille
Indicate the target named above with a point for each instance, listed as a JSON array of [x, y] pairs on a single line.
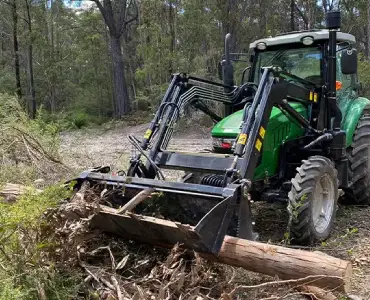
[[281, 134]]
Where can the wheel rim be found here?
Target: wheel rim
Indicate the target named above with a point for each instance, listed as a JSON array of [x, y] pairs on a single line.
[[323, 203]]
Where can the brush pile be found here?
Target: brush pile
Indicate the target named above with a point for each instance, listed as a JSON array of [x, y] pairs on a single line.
[[114, 268], [119, 269], [28, 146]]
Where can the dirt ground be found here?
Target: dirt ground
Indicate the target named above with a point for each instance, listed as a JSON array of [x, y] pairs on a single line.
[[350, 239]]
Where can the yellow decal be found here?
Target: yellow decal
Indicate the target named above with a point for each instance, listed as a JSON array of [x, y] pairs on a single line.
[[315, 97], [262, 132], [311, 96], [242, 139], [258, 145], [147, 134]]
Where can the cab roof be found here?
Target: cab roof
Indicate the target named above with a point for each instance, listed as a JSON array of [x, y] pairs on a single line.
[[296, 37]]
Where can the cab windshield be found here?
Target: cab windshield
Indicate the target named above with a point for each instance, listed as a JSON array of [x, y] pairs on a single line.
[[304, 63]]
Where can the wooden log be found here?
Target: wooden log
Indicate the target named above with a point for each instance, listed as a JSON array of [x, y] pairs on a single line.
[[286, 263], [10, 192], [135, 201]]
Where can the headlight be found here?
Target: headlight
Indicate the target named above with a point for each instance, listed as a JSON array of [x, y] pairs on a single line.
[[224, 143], [261, 46], [307, 40]]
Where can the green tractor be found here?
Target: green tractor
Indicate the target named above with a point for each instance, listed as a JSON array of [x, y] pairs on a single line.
[[295, 130]]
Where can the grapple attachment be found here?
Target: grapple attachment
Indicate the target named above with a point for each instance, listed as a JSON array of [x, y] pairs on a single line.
[[163, 213], [198, 216]]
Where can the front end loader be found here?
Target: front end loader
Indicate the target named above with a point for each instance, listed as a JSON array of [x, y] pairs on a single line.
[[288, 134]]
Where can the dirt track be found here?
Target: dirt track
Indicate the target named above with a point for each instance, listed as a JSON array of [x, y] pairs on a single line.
[[351, 237]]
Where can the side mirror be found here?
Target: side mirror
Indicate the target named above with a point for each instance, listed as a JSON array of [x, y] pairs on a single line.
[[348, 61]]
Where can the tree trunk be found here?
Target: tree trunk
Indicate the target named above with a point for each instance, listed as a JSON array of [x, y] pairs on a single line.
[[51, 38], [171, 21], [16, 49], [292, 23], [32, 105], [368, 31], [120, 85], [325, 5], [11, 192]]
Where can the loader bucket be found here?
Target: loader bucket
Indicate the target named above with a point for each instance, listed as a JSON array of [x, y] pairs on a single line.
[[127, 215]]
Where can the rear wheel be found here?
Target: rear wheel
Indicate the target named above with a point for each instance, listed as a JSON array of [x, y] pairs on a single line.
[[359, 161], [313, 201]]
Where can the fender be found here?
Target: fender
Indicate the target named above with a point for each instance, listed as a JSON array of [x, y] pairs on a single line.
[[351, 108]]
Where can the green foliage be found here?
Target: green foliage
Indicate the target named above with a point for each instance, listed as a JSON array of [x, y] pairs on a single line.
[[80, 119], [27, 147], [28, 209], [364, 75], [73, 66], [24, 249]]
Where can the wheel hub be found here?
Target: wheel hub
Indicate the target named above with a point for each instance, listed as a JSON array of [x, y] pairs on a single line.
[[323, 203]]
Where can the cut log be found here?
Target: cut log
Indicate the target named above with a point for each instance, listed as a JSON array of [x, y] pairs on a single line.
[[10, 192], [286, 263]]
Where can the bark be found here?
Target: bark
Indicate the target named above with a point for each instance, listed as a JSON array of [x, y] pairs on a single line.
[[51, 39], [368, 31], [117, 19], [171, 20], [32, 105], [286, 263], [16, 49], [119, 78], [292, 25]]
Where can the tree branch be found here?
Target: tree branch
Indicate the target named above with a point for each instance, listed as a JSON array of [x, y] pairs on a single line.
[[306, 280], [107, 14], [122, 16], [305, 20], [134, 17]]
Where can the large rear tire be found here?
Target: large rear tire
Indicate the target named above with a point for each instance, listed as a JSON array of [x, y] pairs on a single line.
[[359, 161], [313, 201]]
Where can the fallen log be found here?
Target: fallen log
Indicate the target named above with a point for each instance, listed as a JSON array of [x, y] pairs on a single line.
[[286, 263], [10, 192]]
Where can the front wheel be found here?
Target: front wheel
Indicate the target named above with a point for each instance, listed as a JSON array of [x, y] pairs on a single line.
[[313, 201]]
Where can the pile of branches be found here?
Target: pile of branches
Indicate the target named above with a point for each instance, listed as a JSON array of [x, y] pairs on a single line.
[[115, 268], [120, 269], [26, 143]]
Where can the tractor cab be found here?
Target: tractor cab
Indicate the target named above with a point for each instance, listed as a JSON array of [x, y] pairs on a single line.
[[300, 57]]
